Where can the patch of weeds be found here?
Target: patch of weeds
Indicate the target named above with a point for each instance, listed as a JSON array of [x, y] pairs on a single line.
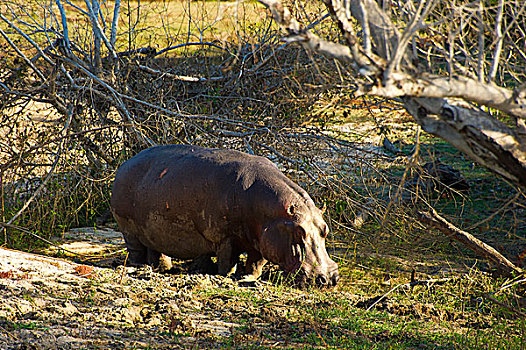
[[348, 327], [11, 326]]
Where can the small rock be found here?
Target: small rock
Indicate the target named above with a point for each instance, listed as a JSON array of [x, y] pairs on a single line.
[[172, 307], [69, 309], [132, 314], [68, 341], [154, 321], [24, 306], [122, 302], [192, 304]]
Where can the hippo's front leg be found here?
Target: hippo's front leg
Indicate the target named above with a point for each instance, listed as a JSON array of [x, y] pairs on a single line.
[[254, 265], [226, 257]]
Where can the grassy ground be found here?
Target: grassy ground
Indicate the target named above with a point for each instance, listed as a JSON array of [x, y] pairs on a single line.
[[457, 303], [162, 24]]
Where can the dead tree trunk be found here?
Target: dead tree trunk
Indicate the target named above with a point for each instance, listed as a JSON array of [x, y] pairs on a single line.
[[458, 107], [482, 115]]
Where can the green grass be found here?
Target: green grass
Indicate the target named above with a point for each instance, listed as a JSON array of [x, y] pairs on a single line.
[[310, 319]]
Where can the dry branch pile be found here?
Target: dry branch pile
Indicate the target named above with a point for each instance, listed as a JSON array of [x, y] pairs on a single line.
[[78, 101], [85, 85]]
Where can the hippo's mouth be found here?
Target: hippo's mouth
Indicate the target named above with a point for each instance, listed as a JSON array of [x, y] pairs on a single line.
[[303, 276]]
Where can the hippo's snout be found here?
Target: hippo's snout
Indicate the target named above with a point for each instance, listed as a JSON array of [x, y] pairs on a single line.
[[328, 277], [327, 280]]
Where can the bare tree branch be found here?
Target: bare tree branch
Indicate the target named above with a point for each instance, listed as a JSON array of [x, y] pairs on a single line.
[[481, 29], [433, 86], [64, 22], [98, 31], [484, 139], [402, 83], [432, 218], [412, 28], [367, 46], [25, 36], [115, 22], [498, 45]]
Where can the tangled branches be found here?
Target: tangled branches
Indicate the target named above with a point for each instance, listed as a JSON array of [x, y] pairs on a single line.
[[84, 86], [81, 91]]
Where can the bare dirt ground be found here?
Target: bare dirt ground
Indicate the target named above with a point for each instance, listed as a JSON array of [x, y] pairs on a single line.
[[50, 303], [53, 303]]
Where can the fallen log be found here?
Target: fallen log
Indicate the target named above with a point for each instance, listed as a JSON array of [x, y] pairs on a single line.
[[504, 266]]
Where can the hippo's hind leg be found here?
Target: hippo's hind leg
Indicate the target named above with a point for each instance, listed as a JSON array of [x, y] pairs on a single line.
[[137, 252]]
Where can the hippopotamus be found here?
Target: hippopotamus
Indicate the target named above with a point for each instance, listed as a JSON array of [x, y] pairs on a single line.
[[189, 202]]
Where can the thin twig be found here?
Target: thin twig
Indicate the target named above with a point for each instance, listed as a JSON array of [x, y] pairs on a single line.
[[498, 44], [497, 212], [504, 305], [179, 77], [175, 47], [412, 284], [481, 54], [124, 267], [21, 229]]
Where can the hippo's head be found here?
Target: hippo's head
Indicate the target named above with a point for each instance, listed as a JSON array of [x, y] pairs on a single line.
[[297, 245]]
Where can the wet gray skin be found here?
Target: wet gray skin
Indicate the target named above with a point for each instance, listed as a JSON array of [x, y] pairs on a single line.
[[189, 202]]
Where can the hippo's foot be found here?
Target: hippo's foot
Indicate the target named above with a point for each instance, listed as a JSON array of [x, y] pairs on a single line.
[[253, 269], [247, 281], [253, 266], [203, 264], [137, 252]]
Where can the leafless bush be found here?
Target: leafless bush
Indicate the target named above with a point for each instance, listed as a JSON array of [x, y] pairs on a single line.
[[85, 85]]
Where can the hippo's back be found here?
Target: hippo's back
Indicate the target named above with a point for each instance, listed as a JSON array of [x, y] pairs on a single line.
[[176, 171], [181, 200]]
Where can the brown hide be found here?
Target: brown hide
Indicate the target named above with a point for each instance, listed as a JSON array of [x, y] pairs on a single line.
[[188, 202]]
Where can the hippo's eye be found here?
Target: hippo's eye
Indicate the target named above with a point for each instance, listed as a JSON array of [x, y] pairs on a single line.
[[324, 231]]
